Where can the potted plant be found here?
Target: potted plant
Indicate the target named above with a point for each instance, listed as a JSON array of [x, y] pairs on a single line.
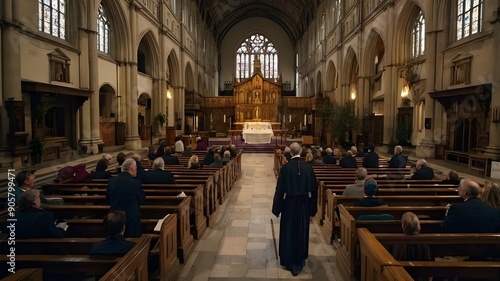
[[161, 119], [37, 147], [326, 119], [344, 120]]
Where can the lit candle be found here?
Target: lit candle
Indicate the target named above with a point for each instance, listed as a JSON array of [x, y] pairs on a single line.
[[224, 118], [290, 118], [305, 119]]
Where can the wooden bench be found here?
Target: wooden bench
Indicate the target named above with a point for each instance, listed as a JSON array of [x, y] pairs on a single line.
[[134, 263], [178, 206], [27, 274], [330, 223], [474, 161], [338, 187], [346, 254], [374, 254]]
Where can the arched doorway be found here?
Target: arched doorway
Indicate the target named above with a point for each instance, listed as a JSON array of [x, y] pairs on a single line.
[[108, 114], [144, 116]]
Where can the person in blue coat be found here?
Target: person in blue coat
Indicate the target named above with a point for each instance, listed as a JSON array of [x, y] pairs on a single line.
[[158, 174], [398, 160], [125, 193]]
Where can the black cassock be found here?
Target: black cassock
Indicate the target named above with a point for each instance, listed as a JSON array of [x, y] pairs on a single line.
[[298, 182]]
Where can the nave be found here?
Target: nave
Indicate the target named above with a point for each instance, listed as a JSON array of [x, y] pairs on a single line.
[[240, 245]]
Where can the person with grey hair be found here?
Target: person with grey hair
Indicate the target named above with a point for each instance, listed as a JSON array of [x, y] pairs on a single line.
[[423, 172], [226, 158], [287, 153], [349, 161], [35, 222], [158, 175], [125, 193], [329, 158], [473, 215], [295, 199], [217, 161], [398, 160], [357, 188]]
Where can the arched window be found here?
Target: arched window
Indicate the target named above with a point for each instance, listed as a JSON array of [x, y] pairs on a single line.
[[418, 36], [51, 15], [469, 17], [102, 31], [257, 46]]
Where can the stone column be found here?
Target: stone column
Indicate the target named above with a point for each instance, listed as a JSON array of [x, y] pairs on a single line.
[[132, 139], [93, 78], [493, 148]]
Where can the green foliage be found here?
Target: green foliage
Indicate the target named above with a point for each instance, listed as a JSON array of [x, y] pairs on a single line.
[[403, 133], [161, 118], [37, 146], [344, 119]]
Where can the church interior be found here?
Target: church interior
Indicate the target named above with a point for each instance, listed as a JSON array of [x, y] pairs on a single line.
[[333, 73], [420, 73]]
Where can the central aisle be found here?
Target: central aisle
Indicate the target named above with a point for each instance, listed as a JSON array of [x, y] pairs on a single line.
[[240, 244]]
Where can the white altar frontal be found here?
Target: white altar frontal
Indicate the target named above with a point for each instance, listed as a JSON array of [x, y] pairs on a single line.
[[257, 132]]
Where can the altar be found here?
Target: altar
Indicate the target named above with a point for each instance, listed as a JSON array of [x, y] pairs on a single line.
[[257, 132]]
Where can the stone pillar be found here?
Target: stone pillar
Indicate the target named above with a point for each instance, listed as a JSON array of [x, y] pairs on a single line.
[[10, 81], [132, 140], [93, 79], [493, 148]]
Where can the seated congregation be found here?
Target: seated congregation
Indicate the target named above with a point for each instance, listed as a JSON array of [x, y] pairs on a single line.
[[134, 217]]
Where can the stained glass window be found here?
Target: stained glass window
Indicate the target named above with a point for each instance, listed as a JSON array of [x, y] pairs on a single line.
[[418, 36], [257, 46], [52, 17], [469, 20], [102, 31]]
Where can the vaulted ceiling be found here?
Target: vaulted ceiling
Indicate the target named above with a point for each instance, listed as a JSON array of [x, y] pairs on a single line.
[[293, 15]]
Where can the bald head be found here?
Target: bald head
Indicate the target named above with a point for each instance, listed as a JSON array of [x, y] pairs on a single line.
[[295, 148], [468, 188]]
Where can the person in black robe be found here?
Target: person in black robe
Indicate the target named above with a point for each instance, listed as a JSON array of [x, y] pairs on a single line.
[[296, 200]]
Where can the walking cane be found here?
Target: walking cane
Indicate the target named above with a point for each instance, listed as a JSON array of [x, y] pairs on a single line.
[[274, 240]]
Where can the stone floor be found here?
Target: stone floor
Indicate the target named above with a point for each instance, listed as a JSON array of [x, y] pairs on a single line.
[[240, 244]]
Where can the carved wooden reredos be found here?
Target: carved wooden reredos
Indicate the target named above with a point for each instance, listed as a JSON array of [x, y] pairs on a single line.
[[257, 99]]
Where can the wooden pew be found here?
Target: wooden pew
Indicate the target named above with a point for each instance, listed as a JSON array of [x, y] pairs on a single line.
[[134, 263], [376, 260], [346, 254], [330, 223], [98, 191], [442, 244], [179, 206], [338, 188], [27, 274]]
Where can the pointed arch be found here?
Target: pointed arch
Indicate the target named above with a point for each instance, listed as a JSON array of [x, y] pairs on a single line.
[[119, 32], [189, 79], [351, 73], [173, 76], [148, 54], [331, 79], [404, 26]]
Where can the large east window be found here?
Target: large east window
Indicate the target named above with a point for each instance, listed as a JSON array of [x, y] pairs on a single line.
[[257, 46], [468, 17], [418, 36], [52, 17], [102, 31]]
